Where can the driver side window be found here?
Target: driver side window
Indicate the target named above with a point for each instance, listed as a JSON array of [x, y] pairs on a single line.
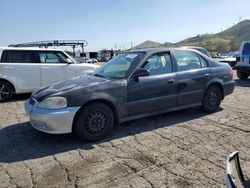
[[52, 57], [158, 64]]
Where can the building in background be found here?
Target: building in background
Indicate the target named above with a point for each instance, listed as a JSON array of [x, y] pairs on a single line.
[[102, 55], [108, 54]]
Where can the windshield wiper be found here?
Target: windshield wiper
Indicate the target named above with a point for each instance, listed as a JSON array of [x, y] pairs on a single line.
[[99, 75]]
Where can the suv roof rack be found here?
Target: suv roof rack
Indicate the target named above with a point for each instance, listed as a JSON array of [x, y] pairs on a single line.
[[45, 44]]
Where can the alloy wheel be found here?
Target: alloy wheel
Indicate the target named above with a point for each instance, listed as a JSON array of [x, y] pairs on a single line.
[[4, 92]]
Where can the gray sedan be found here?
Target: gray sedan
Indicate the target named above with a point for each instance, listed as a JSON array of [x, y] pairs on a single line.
[[132, 85]]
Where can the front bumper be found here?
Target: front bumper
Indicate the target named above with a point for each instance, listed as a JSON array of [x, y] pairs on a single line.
[[51, 121]]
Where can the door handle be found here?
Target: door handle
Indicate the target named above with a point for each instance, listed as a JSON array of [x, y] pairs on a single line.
[[207, 76], [171, 81], [45, 67]]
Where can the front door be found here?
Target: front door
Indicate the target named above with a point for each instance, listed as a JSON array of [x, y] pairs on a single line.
[[155, 92], [54, 67]]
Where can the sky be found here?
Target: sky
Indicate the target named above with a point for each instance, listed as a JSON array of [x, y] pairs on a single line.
[[107, 24]]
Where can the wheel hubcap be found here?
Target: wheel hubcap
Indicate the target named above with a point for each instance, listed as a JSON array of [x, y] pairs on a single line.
[[95, 123], [4, 92], [213, 99]]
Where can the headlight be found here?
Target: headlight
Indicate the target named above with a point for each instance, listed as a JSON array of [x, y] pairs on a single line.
[[53, 103]]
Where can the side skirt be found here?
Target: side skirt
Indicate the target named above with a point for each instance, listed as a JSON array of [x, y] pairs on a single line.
[[158, 112]]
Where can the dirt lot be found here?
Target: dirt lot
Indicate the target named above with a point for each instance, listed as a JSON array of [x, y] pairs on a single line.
[[187, 148]]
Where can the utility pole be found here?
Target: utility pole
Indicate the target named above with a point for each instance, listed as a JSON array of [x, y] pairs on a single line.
[[240, 19]]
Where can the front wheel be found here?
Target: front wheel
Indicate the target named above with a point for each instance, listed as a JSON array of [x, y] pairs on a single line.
[[242, 76], [6, 91], [212, 99], [94, 122]]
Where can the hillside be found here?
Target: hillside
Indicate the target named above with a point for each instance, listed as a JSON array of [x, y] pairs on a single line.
[[228, 40], [148, 44]]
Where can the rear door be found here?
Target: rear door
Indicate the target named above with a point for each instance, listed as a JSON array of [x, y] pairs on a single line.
[[156, 92], [193, 73], [22, 69], [54, 67]]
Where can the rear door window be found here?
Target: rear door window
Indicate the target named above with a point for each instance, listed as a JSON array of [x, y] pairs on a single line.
[[187, 60], [203, 62]]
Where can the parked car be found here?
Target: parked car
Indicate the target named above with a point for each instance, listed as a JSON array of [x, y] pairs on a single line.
[[200, 49], [243, 61], [94, 60], [230, 58], [82, 60], [215, 55], [132, 85], [24, 70], [105, 59], [234, 174]]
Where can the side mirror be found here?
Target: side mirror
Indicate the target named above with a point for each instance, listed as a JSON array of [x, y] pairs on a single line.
[[69, 61], [140, 73]]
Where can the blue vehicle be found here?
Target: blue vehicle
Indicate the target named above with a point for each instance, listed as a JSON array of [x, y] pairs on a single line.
[[243, 61]]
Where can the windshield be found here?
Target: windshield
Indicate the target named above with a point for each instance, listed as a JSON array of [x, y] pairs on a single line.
[[120, 65]]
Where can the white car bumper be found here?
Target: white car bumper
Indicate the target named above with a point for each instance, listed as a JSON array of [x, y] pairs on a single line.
[[51, 121]]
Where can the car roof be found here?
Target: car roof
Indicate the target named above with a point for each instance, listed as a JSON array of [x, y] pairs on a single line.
[[192, 47], [156, 50], [26, 48]]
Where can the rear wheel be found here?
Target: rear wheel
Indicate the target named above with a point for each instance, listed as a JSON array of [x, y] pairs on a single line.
[[212, 99], [6, 91], [242, 76], [94, 122]]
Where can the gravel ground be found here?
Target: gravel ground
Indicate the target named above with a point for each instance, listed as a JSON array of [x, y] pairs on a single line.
[[187, 148]]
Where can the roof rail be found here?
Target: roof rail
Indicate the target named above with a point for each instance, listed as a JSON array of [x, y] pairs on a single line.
[[45, 44]]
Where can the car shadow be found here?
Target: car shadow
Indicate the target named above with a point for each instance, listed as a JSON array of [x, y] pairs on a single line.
[[242, 83], [20, 142]]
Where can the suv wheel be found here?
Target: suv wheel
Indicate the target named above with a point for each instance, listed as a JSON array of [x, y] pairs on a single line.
[[212, 99], [242, 76], [94, 122], [6, 91]]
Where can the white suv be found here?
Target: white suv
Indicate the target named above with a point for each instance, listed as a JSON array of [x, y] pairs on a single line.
[[24, 70], [243, 61]]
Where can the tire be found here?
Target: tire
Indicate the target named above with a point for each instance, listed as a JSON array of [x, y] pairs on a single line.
[[93, 122], [6, 91], [212, 99], [242, 76]]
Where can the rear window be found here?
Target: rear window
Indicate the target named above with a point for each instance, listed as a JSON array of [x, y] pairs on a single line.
[[18, 56], [5, 56], [246, 49]]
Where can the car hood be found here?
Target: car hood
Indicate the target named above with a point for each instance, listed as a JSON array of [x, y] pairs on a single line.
[[228, 59], [71, 84]]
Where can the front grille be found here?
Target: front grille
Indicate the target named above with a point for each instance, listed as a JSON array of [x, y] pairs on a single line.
[[32, 101]]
